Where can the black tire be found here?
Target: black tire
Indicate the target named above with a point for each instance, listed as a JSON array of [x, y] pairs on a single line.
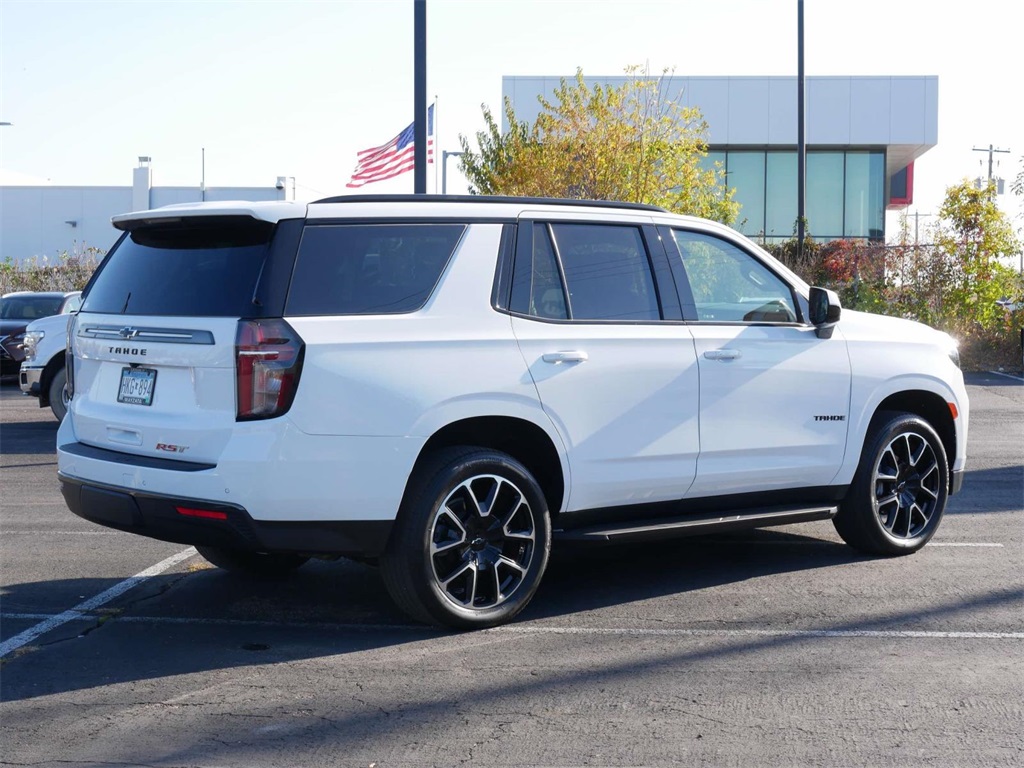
[[471, 540], [252, 563], [56, 394], [899, 492]]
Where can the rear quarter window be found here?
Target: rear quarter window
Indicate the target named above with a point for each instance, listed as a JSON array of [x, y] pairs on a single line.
[[200, 268], [363, 269]]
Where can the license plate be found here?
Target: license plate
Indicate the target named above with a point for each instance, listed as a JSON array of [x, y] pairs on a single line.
[[137, 386]]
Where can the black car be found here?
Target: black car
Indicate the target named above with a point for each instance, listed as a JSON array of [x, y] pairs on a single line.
[[19, 309]]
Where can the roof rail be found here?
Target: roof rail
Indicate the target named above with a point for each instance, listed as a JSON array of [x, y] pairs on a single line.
[[486, 199]]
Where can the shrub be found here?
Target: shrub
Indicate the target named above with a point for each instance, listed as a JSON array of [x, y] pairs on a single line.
[[69, 271]]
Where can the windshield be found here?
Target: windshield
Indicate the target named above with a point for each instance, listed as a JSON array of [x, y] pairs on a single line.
[[29, 307]]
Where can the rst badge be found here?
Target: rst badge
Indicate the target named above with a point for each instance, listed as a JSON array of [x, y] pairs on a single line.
[[168, 448]]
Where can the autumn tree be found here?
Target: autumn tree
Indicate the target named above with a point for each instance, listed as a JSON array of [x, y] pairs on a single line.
[[973, 241], [634, 143]]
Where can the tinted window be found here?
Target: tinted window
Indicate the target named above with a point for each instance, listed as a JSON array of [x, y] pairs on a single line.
[[198, 269], [361, 269], [730, 285], [536, 284], [607, 272], [29, 307]]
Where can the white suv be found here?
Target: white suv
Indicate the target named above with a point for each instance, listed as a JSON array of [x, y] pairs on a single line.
[[447, 385], [45, 343]]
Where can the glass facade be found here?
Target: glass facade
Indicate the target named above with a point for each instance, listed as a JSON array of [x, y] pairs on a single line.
[[744, 172], [845, 192]]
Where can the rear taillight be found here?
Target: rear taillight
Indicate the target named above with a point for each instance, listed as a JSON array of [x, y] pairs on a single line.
[[69, 356], [268, 360]]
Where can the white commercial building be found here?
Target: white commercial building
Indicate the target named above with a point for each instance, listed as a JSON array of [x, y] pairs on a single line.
[[863, 135], [43, 220]]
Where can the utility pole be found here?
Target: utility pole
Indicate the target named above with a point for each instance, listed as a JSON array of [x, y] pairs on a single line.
[[991, 151], [916, 215]]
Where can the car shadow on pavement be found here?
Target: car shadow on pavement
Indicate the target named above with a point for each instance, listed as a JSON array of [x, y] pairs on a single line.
[[25, 438], [1000, 489], [205, 619]]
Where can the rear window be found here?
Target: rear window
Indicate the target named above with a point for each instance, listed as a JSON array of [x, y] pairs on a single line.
[[199, 268], [362, 269]]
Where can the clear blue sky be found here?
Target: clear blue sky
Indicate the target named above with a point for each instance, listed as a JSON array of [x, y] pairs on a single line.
[[297, 87]]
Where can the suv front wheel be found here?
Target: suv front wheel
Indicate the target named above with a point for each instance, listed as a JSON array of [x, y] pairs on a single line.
[[471, 541], [899, 491]]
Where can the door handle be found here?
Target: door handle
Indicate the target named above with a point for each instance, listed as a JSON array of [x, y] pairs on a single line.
[[722, 354], [571, 356]]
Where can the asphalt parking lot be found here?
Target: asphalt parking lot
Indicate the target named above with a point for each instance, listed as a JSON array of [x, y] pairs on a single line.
[[773, 647]]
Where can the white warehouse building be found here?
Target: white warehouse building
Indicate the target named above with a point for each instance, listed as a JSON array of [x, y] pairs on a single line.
[[42, 220]]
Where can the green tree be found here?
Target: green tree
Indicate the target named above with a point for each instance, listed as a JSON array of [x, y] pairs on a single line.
[[972, 237], [632, 143]]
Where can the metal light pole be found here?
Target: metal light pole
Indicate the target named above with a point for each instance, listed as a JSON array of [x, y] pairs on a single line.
[[420, 96], [445, 154], [801, 145]]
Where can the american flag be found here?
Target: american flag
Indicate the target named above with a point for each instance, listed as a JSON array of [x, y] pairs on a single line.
[[391, 159]]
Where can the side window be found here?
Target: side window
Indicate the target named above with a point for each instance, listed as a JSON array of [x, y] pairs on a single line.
[[730, 285], [607, 272], [364, 269], [536, 284]]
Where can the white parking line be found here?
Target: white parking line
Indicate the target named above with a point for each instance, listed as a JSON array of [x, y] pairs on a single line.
[[792, 633], [79, 611], [64, 533], [962, 544], [1007, 375], [542, 630]]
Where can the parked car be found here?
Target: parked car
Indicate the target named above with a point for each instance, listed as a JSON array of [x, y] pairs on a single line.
[[447, 385], [42, 371], [19, 309]]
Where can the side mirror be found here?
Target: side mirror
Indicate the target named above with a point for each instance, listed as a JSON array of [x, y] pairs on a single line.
[[825, 309]]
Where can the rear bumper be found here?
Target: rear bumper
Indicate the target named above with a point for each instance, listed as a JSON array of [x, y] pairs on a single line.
[[225, 525]]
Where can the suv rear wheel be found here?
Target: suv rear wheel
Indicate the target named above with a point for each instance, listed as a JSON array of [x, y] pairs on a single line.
[[899, 492], [471, 541]]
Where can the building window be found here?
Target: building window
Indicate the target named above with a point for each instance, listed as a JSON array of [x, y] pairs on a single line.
[[865, 191], [745, 172], [825, 195], [780, 196], [845, 193], [715, 161]]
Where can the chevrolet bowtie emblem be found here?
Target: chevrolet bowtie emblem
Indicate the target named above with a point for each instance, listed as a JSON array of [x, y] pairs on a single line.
[[128, 333]]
